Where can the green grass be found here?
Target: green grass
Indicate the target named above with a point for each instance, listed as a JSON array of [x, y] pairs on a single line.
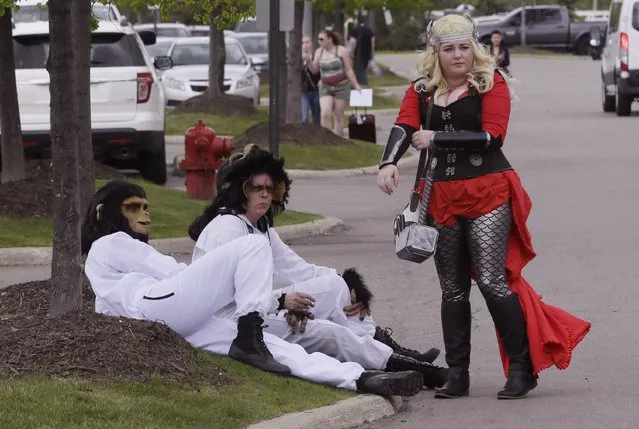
[[178, 123], [320, 157], [171, 210], [387, 78], [39, 402]]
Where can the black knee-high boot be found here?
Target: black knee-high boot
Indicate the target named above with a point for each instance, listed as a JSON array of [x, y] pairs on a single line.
[[511, 326], [434, 376], [456, 326]]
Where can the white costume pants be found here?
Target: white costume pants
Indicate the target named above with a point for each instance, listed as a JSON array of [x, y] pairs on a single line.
[[347, 339], [217, 336], [195, 303], [239, 274]]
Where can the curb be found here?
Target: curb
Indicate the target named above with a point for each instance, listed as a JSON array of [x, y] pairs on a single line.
[[34, 256], [344, 414], [411, 161]]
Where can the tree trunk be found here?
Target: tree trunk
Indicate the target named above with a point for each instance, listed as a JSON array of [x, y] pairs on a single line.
[[12, 152], [217, 54], [282, 74], [66, 293], [293, 101], [85, 142]]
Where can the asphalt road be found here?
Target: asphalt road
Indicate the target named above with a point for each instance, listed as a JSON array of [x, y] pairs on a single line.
[[577, 164]]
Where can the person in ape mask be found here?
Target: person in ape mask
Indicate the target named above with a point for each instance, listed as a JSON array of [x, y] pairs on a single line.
[[252, 187], [217, 303], [118, 206]]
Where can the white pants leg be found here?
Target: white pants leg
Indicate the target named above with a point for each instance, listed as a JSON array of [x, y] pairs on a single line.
[[216, 336], [239, 272], [337, 341], [331, 296]]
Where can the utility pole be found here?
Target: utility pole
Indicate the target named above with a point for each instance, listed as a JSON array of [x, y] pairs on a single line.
[[523, 24], [274, 81]]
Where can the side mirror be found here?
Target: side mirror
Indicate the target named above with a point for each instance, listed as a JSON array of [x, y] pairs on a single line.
[[256, 61], [124, 21], [163, 62], [148, 37]]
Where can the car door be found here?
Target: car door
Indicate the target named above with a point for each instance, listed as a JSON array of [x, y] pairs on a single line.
[[611, 49], [547, 29]]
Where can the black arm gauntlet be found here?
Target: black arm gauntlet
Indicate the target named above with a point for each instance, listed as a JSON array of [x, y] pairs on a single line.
[[398, 143], [465, 140]]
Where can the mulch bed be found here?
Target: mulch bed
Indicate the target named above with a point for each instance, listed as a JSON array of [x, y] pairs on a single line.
[[227, 105], [32, 197], [87, 345], [291, 134]]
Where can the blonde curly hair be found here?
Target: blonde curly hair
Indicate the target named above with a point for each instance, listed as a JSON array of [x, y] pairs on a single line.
[[481, 76]]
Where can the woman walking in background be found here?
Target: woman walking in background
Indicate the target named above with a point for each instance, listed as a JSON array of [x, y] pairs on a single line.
[[310, 85], [336, 79]]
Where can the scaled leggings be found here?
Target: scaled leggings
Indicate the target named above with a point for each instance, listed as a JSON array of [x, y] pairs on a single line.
[[474, 244]]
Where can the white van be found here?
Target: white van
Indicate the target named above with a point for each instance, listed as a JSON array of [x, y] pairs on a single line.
[[620, 58]]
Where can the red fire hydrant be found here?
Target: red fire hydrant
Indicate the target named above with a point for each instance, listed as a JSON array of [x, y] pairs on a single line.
[[202, 157]]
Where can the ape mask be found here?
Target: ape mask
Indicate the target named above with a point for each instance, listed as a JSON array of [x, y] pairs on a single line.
[[117, 206]]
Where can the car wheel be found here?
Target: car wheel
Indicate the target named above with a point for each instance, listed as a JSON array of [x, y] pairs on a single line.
[[623, 104], [607, 101], [152, 166], [582, 47]]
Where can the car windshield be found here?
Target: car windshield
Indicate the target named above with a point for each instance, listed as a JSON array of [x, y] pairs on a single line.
[[35, 13], [198, 54], [254, 44], [107, 50], [158, 49]]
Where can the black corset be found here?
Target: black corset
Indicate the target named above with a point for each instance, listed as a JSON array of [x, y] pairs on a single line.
[[464, 114]]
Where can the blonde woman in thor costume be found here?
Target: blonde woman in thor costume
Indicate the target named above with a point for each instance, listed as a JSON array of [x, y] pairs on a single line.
[[479, 208]]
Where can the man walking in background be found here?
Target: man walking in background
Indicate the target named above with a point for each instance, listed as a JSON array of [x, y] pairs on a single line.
[[361, 42]]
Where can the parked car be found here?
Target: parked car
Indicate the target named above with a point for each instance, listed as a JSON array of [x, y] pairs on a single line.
[[256, 47], [127, 104], [620, 58], [546, 27], [199, 30], [36, 10], [165, 29], [190, 73]]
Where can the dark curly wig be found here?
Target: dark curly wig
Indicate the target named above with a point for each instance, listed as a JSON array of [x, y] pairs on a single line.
[[232, 176]]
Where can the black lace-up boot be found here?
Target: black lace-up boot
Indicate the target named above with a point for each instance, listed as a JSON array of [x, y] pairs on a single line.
[[384, 336], [511, 326], [434, 376], [249, 347], [404, 383], [456, 326]]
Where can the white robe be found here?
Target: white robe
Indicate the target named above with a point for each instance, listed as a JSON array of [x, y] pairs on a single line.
[[332, 332], [131, 279]]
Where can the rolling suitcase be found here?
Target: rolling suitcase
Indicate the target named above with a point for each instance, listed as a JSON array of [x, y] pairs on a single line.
[[362, 127]]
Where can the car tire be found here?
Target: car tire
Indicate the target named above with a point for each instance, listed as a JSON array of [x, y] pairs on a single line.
[[152, 166], [582, 47], [623, 103], [607, 101]]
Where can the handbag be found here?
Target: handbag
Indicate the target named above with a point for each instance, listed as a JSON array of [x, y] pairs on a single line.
[[414, 241]]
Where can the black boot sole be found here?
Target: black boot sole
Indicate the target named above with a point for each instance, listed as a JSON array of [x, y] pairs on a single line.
[[406, 383], [532, 385], [444, 395], [259, 362]]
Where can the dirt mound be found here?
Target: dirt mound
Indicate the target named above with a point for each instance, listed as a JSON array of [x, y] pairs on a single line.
[[32, 197], [228, 105], [89, 345], [291, 134]]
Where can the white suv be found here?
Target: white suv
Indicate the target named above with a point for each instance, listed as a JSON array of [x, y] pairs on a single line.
[[127, 103], [620, 58]]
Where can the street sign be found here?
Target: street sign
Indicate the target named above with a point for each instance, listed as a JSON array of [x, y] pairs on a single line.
[[287, 15]]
